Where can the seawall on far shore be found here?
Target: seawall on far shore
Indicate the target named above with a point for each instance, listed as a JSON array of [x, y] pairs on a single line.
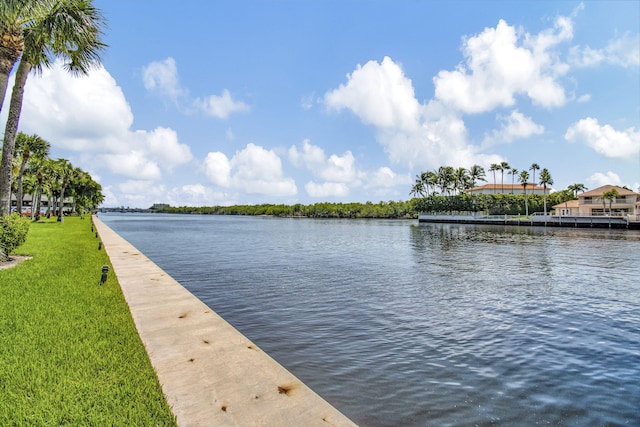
[[535, 221], [210, 373]]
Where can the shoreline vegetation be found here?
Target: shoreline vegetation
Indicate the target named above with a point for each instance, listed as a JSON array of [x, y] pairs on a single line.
[[71, 354], [491, 204]]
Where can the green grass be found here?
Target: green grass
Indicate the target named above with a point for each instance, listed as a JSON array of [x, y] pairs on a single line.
[[69, 350]]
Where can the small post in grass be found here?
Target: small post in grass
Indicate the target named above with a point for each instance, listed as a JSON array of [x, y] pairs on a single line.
[[105, 272]]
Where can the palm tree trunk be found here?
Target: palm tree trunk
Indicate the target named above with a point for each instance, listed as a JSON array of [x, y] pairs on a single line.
[[19, 192], [61, 205], [10, 132]]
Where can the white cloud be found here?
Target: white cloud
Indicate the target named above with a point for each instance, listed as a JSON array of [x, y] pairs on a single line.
[[253, 170], [162, 77], [584, 98], [623, 52], [218, 169], [197, 195], [91, 115], [339, 173], [599, 179], [76, 113], [220, 106], [335, 168], [605, 139], [501, 63], [379, 94], [515, 126], [411, 133], [326, 189], [384, 177], [132, 165], [140, 193]]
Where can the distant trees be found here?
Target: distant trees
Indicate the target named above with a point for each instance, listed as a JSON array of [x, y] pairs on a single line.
[[36, 173], [388, 210], [447, 180]]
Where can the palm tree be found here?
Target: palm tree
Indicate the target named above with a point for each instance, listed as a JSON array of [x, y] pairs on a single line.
[[503, 166], [524, 180], [67, 29], [27, 147], [445, 178], [545, 179], [610, 195], [476, 173], [65, 174], [460, 180], [86, 193], [430, 179], [534, 167], [418, 188], [513, 172], [493, 168], [576, 188], [15, 15]]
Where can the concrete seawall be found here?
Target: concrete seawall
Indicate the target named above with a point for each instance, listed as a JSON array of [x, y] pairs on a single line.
[[210, 373]]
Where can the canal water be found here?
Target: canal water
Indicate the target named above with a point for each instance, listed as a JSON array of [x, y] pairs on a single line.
[[404, 324]]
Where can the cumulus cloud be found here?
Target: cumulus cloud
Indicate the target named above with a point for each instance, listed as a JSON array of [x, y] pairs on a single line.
[[379, 94], [76, 113], [91, 115], [384, 177], [514, 126], [623, 52], [413, 134], [335, 168], [326, 189], [162, 77], [604, 139], [140, 193], [220, 106], [253, 170], [339, 173], [197, 195], [503, 62], [599, 179]]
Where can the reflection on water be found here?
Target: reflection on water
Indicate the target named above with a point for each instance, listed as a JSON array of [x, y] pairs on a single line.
[[397, 323]]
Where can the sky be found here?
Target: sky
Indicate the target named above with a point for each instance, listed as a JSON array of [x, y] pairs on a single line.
[[203, 103]]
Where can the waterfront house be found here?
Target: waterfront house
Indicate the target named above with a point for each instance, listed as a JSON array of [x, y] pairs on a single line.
[[593, 203], [532, 188]]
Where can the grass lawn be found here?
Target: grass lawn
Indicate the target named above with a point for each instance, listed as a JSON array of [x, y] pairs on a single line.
[[69, 350]]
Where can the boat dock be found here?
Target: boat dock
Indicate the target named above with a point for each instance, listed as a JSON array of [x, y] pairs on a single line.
[[614, 222]]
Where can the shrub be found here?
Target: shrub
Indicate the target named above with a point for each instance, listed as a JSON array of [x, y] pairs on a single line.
[[13, 233]]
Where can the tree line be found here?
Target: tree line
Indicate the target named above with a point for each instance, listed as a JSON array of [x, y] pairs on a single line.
[[35, 173], [447, 181], [390, 209]]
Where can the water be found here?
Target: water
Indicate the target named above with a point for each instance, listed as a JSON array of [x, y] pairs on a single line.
[[404, 324]]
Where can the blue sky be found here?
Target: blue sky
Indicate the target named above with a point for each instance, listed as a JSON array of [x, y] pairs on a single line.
[[246, 102]]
